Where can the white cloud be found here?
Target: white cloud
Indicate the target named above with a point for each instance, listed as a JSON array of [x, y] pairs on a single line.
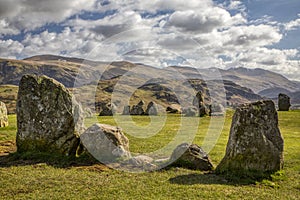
[[10, 48], [30, 14], [292, 25], [199, 31], [158, 5], [253, 36], [264, 56]]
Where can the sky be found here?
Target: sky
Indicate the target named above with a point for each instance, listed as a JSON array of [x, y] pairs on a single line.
[[200, 33]]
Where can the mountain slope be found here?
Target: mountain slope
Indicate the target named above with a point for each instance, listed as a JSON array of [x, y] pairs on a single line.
[[138, 80]]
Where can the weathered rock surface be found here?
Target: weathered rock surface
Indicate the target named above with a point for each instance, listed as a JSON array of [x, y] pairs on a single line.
[[284, 103], [191, 157], [151, 109], [88, 113], [126, 110], [255, 143], [106, 143], [48, 117], [107, 110], [3, 115], [190, 112], [199, 103], [217, 109], [137, 109]]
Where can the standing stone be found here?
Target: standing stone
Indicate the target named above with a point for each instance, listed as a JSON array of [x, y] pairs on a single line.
[[217, 109], [199, 103], [283, 102], [255, 144], [151, 109], [191, 157], [138, 109], [3, 115], [107, 109], [126, 110], [190, 112], [106, 143], [48, 117], [141, 103]]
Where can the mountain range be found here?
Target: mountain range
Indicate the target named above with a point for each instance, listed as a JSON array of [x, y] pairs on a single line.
[[145, 82]]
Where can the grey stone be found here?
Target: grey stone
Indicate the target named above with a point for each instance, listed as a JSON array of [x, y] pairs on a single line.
[[137, 109], [190, 112], [105, 143], [141, 161], [151, 109], [107, 109], [255, 143], [283, 102], [199, 103], [217, 109], [3, 115], [191, 157], [48, 117], [141, 103], [126, 110]]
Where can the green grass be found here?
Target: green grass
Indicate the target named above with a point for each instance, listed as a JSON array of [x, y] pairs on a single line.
[[9, 132], [44, 179]]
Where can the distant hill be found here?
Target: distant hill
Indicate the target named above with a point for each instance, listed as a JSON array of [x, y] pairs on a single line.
[[65, 70], [295, 97], [273, 92], [256, 79], [259, 79]]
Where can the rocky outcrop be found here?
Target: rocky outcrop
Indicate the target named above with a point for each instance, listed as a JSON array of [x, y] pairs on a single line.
[[106, 143], [48, 117], [138, 109], [255, 143], [191, 157], [151, 109], [284, 103], [3, 115]]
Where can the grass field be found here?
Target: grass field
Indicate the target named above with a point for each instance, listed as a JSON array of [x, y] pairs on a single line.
[[37, 177]]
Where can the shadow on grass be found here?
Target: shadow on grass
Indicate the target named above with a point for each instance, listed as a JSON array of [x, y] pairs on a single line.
[[212, 178], [10, 157], [57, 161]]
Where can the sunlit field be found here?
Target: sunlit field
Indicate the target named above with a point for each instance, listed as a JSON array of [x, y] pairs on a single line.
[[30, 176]]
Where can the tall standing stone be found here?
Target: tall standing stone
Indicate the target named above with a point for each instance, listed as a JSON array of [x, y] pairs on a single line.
[[151, 109], [3, 115], [107, 110], [138, 109], [283, 102], [199, 103], [255, 143], [48, 117]]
